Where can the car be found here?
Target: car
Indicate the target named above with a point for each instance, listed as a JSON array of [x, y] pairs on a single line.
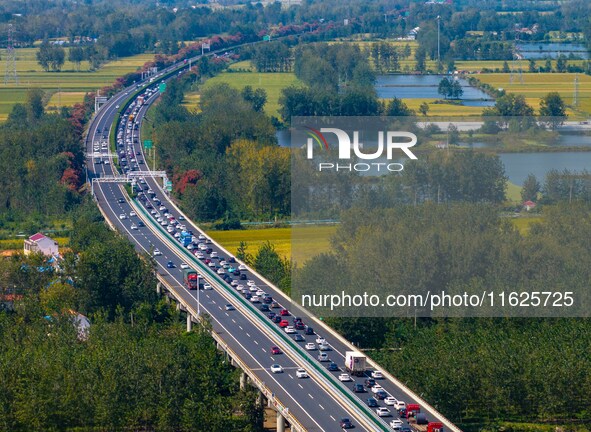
[[346, 423], [264, 308], [400, 405], [254, 299], [275, 350], [268, 300], [116, 106], [298, 338], [133, 226], [390, 400], [260, 292], [301, 373], [229, 307], [184, 266], [377, 374], [283, 323], [405, 429], [121, 200], [381, 394], [323, 357], [376, 388], [122, 216], [247, 296], [242, 276], [277, 319], [157, 252], [290, 330], [333, 367], [396, 423], [132, 214], [170, 264], [358, 388], [207, 286], [309, 330], [383, 412], [221, 271], [140, 224], [241, 267], [310, 346], [372, 402], [299, 326], [271, 315], [320, 340], [324, 347], [275, 305], [275, 368], [284, 312], [345, 377], [250, 283]]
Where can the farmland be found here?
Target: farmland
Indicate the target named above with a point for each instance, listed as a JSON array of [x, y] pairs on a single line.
[[312, 240], [73, 84], [273, 83]]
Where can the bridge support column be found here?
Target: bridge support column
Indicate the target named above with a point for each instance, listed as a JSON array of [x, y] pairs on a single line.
[[280, 422], [243, 380], [159, 288], [189, 322], [260, 399], [178, 306]]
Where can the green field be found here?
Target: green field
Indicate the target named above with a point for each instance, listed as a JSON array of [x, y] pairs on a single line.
[[72, 84], [536, 86], [273, 83], [314, 240], [442, 109]]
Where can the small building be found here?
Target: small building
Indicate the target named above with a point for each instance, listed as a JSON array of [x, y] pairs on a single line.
[[529, 205], [39, 243]]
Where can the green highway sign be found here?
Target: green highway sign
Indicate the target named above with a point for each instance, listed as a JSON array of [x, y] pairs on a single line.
[[162, 87], [148, 144], [169, 186]]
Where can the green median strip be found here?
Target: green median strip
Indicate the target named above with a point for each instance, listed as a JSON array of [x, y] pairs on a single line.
[[266, 322]]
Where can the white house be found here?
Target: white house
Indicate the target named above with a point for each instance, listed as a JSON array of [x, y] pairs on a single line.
[[41, 243]]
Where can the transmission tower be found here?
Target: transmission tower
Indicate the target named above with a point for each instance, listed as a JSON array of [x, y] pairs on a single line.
[[10, 73], [516, 62]]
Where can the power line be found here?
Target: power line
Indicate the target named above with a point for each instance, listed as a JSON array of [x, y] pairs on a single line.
[[10, 72]]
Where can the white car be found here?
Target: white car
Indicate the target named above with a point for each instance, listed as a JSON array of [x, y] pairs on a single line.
[[240, 287], [399, 404], [122, 216], [184, 266], [377, 374], [199, 255], [376, 388], [214, 254], [206, 286], [241, 267], [345, 377], [132, 213], [396, 424], [201, 237], [275, 368], [255, 299], [221, 271], [260, 292], [288, 329], [310, 346], [301, 373], [157, 252], [234, 283], [320, 340], [133, 226], [323, 357], [211, 264], [250, 283], [390, 400], [324, 347], [178, 235], [383, 412]]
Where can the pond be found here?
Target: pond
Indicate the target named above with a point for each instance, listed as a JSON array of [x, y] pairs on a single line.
[[551, 50], [425, 87], [519, 165]]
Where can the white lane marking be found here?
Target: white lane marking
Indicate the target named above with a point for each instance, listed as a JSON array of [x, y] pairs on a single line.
[[302, 387], [256, 342], [333, 418], [320, 406], [311, 397]]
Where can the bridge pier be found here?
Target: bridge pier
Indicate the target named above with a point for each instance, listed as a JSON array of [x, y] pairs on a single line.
[[159, 288], [189, 322], [178, 306], [280, 422], [243, 380], [260, 399]]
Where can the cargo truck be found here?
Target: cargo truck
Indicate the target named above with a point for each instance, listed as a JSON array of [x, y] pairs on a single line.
[[140, 101], [419, 423], [355, 363], [186, 238], [191, 279]]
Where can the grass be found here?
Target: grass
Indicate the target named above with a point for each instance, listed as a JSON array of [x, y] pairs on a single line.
[[443, 109], [535, 86], [73, 84], [513, 192], [272, 83], [523, 224], [312, 240]]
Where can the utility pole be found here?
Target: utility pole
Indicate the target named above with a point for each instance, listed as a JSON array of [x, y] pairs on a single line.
[[10, 73], [438, 39], [576, 94]]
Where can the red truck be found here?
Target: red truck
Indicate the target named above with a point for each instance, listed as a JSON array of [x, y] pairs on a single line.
[[191, 279], [419, 423], [412, 410]]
